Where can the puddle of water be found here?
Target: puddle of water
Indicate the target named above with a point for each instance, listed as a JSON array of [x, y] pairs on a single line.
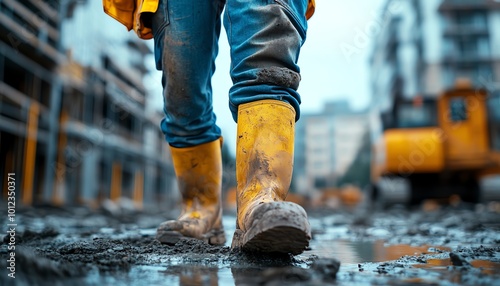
[[366, 251], [435, 263], [347, 251], [162, 275], [487, 267], [194, 275], [457, 276]]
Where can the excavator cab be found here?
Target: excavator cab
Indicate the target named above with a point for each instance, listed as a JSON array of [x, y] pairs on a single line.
[[463, 118]]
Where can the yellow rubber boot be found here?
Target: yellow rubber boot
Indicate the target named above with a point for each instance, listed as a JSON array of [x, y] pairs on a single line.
[[199, 175], [264, 165]]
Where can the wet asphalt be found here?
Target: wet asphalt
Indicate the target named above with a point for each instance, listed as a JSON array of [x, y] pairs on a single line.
[[437, 245]]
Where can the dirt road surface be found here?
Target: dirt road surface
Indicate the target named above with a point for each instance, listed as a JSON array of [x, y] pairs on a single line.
[[447, 245]]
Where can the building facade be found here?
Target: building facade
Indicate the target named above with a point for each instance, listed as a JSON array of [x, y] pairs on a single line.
[[326, 145], [74, 127]]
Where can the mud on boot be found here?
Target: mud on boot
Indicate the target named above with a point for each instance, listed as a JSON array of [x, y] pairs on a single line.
[[199, 175], [170, 232], [275, 227], [264, 165]]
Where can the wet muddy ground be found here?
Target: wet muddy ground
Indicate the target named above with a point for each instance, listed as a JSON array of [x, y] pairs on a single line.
[[448, 245]]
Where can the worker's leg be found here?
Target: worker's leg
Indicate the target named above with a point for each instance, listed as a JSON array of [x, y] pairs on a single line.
[[265, 39], [186, 33]]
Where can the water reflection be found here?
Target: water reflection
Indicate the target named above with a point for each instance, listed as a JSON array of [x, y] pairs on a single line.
[[366, 251], [194, 275], [442, 266], [486, 267], [252, 270]]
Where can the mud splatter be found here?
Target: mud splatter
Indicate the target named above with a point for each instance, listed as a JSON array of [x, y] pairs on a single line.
[[279, 76]]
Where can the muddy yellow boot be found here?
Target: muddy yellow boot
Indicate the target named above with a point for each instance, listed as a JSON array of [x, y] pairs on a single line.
[[199, 175], [264, 164]]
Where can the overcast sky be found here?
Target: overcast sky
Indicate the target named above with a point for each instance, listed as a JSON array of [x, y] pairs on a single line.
[[333, 61]]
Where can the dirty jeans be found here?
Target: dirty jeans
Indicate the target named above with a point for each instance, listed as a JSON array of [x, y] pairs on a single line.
[[265, 37]]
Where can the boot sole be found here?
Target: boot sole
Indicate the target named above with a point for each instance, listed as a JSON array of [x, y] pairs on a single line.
[[282, 239], [213, 237], [280, 227]]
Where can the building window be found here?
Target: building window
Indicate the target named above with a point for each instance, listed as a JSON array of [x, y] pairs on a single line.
[[467, 19], [73, 103], [458, 109], [473, 47], [449, 48], [476, 73]]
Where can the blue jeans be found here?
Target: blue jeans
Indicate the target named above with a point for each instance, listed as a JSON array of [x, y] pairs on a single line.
[[265, 37]]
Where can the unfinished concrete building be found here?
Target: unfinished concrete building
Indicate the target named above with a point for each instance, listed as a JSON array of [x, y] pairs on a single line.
[[75, 132]]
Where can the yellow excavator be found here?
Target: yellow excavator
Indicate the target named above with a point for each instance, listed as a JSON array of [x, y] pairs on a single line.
[[436, 148]]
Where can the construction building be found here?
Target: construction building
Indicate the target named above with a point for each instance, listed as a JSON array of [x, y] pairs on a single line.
[[326, 144], [74, 127]]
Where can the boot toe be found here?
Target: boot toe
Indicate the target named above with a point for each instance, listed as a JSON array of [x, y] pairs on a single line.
[[170, 232], [275, 227]]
